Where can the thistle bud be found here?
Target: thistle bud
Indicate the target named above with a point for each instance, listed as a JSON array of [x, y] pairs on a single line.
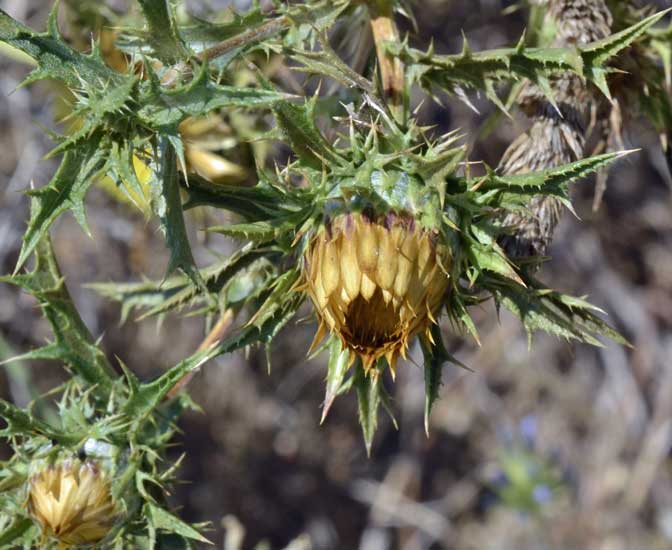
[[375, 283], [72, 502]]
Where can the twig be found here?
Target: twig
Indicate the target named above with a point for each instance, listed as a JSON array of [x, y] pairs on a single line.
[[391, 68]]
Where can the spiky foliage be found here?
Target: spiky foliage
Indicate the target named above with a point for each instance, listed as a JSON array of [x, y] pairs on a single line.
[[118, 427], [365, 159]]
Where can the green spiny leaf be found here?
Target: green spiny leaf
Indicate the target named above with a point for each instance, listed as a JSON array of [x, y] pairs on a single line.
[[148, 396], [167, 108], [159, 518], [435, 356], [337, 368], [260, 202], [73, 343], [297, 124], [18, 529], [252, 334], [597, 53], [162, 30], [21, 423], [55, 58], [478, 70], [489, 258], [542, 309], [368, 397], [98, 103], [280, 296], [159, 297], [66, 191], [554, 180], [167, 205]]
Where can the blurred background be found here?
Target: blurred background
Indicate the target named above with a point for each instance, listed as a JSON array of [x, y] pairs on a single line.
[[560, 446]]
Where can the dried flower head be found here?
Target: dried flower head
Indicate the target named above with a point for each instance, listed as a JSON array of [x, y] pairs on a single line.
[[72, 502], [375, 283]]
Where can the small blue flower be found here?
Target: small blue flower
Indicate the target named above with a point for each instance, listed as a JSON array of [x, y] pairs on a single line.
[[528, 428], [542, 494]]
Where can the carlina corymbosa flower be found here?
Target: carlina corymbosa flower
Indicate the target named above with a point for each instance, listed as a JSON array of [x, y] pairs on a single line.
[[72, 502], [375, 282]]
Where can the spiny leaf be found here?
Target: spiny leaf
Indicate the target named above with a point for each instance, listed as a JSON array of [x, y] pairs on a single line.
[[337, 368], [148, 396], [479, 70], [162, 30], [260, 202], [66, 191], [159, 518], [167, 205], [16, 530], [20, 423], [436, 356], [326, 62], [488, 258], [167, 108], [159, 297], [538, 315], [263, 230], [542, 309], [553, 178], [297, 124], [597, 53], [252, 334], [369, 398], [277, 300], [97, 103], [55, 58], [73, 343]]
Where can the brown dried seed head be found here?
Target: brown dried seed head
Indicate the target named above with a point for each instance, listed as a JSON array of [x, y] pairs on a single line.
[[375, 284], [72, 502]]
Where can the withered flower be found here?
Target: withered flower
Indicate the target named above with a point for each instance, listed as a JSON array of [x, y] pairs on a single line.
[[376, 283], [72, 502]]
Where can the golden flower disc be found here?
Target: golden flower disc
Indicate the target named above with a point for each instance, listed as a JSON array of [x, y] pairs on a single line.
[[72, 502], [376, 284]]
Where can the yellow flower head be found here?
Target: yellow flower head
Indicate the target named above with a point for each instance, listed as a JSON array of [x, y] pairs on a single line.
[[376, 283], [72, 502]]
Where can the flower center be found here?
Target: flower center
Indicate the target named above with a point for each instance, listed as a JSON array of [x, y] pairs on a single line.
[[373, 323]]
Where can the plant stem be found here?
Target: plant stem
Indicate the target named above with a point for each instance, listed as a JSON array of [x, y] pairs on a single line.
[[215, 335], [391, 68], [253, 35]]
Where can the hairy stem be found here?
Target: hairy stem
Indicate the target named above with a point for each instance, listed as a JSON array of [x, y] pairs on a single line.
[[253, 35]]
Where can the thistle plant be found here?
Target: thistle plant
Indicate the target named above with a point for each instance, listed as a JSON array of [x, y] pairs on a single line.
[[386, 228]]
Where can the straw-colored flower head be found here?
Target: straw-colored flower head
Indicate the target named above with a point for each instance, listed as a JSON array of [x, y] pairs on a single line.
[[375, 283], [72, 502]]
